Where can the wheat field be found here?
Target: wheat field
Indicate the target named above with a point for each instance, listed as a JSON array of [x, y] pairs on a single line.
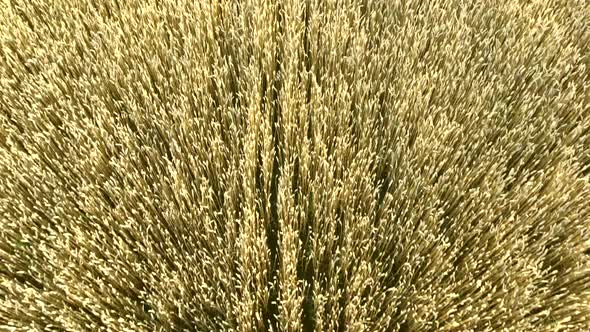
[[312, 165]]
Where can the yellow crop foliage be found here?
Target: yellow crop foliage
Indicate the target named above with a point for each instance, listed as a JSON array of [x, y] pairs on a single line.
[[310, 165]]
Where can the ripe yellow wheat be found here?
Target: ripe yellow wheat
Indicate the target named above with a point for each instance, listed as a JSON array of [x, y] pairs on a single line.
[[295, 165]]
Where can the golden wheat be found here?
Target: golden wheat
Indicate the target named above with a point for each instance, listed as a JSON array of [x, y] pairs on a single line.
[[288, 165]]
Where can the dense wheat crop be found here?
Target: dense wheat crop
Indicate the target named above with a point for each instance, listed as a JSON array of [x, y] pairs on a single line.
[[319, 165]]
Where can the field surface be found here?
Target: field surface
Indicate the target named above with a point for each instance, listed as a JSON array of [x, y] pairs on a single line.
[[313, 165]]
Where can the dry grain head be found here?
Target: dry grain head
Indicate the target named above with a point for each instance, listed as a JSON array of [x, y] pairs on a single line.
[[294, 165]]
